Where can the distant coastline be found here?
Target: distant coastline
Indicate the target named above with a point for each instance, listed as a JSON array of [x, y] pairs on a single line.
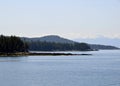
[[56, 42], [17, 46], [38, 54]]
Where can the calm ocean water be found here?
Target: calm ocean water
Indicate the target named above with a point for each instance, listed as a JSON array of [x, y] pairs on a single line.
[[100, 69]]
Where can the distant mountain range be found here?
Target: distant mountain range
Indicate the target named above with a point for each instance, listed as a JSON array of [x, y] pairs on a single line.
[[100, 40], [58, 39]]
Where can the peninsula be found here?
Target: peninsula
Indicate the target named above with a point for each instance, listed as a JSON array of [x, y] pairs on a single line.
[[14, 46]]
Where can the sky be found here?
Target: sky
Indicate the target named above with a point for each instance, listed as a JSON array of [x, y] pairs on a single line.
[[66, 18]]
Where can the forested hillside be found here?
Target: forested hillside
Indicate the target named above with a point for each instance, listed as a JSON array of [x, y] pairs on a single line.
[[54, 40], [52, 46]]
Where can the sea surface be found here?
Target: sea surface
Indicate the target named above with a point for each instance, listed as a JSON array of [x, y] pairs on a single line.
[[102, 68]]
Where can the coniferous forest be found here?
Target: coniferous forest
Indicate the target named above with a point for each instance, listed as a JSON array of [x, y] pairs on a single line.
[[12, 44], [52, 46]]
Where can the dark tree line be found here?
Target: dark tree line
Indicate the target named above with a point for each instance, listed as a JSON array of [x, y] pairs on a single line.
[[12, 44], [52, 46]]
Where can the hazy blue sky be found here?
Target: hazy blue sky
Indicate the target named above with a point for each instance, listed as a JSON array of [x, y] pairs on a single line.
[[69, 18]]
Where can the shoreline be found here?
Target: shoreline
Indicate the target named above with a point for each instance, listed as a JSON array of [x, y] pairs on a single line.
[[39, 54]]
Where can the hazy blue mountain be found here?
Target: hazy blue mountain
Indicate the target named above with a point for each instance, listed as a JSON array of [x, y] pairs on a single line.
[[94, 43], [102, 47], [101, 40]]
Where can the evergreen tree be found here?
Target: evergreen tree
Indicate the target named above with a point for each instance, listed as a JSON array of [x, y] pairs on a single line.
[[12, 44]]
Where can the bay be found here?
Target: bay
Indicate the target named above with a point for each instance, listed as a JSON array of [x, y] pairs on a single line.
[[102, 68]]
